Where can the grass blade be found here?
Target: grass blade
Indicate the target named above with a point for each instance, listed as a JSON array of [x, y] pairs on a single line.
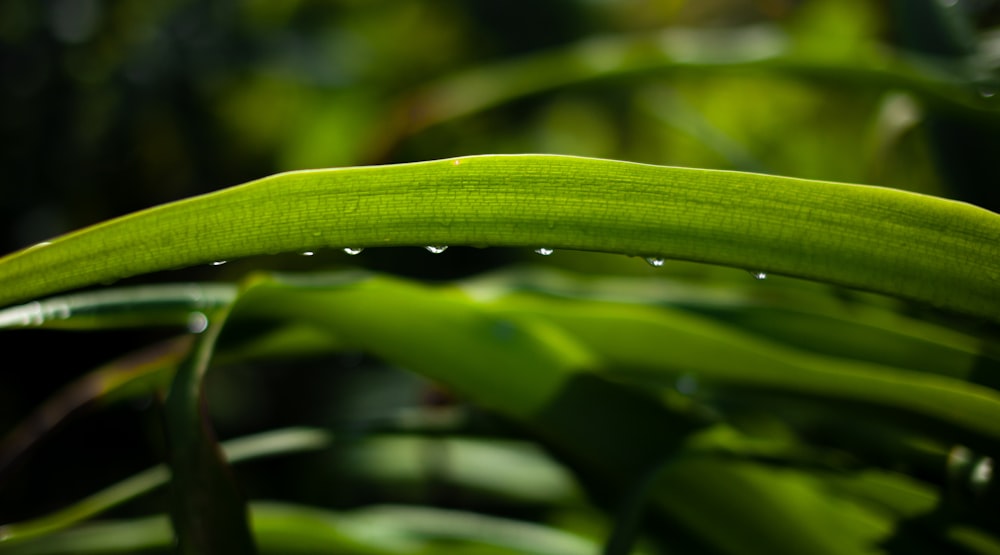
[[680, 51], [655, 345], [180, 304], [504, 356], [285, 529], [525, 349], [237, 450], [208, 510], [912, 246]]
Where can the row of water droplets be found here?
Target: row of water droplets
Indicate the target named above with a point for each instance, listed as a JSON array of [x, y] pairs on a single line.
[[971, 471], [40, 313], [654, 261], [34, 313], [353, 251]]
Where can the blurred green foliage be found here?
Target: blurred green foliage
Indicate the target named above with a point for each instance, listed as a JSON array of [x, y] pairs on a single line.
[[108, 106], [113, 105]]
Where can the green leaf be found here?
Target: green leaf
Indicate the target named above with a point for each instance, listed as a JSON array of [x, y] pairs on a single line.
[[803, 315], [926, 249], [282, 529], [512, 471], [180, 304], [655, 345], [515, 354], [265, 444], [761, 49], [208, 509]]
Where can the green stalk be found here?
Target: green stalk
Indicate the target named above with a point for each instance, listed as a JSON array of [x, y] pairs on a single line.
[[208, 509]]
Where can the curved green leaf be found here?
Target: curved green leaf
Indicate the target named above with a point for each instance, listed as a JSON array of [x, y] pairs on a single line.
[[655, 346], [284, 528], [177, 304], [753, 48], [799, 314], [912, 246], [518, 352], [265, 444], [208, 509], [463, 343]]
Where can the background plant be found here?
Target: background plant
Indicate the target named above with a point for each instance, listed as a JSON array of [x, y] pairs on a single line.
[[573, 90]]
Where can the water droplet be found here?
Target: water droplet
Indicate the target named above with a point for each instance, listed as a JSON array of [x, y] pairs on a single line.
[[39, 245], [959, 455], [197, 322], [353, 250], [60, 310], [987, 91], [33, 314], [456, 162], [308, 253], [436, 249], [654, 261], [981, 475], [219, 262], [756, 274], [544, 251]]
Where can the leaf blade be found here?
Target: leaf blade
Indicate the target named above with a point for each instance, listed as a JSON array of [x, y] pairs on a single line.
[[927, 249]]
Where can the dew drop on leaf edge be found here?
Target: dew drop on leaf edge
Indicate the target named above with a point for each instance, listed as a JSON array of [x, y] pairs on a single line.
[[544, 251], [353, 251], [436, 249], [654, 261], [981, 475], [197, 322]]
